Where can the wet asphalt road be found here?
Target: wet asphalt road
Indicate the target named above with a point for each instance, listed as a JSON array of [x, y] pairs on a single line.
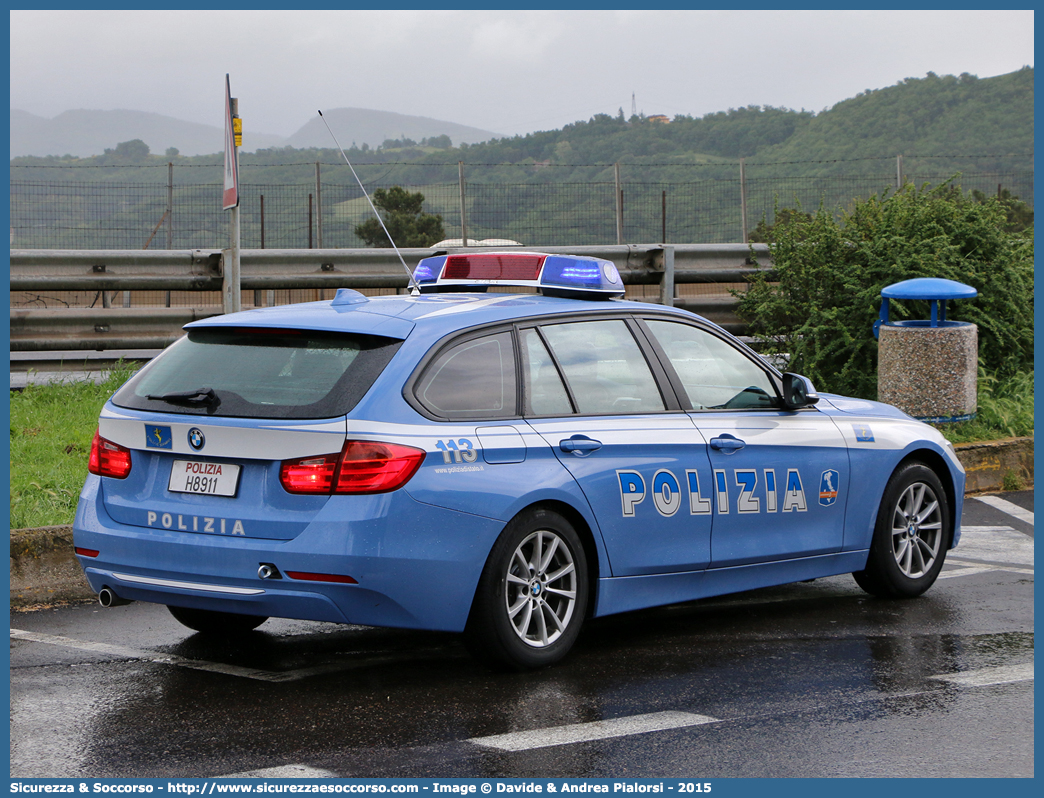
[[815, 679]]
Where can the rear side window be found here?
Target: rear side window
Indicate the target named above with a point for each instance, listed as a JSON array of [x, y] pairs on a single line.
[[260, 373], [474, 379], [604, 367]]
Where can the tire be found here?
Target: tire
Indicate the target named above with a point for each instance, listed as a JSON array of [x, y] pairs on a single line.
[[911, 536], [532, 596], [214, 622]]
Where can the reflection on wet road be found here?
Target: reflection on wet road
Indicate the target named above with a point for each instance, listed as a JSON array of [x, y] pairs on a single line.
[[814, 679]]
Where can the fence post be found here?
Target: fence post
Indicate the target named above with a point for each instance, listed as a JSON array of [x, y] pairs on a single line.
[[170, 205], [667, 281], [170, 216], [663, 217], [318, 206], [743, 196], [463, 207], [898, 172], [619, 204], [310, 221]]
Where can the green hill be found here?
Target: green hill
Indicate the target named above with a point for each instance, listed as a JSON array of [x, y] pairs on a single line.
[[681, 178], [932, 118]]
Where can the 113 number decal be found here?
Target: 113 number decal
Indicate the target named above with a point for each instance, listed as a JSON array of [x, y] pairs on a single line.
[[461, 450]]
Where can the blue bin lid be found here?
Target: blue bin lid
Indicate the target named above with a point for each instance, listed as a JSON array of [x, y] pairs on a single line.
[[930, 288]]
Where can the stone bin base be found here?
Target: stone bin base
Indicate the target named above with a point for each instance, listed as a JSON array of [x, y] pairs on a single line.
[[929, 372]]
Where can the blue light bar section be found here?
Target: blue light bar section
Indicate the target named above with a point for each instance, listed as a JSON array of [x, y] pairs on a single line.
[[572, 275], [429, 269]]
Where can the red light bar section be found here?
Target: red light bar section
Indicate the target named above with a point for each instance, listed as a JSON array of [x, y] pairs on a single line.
[[310, 577], [493, 266]]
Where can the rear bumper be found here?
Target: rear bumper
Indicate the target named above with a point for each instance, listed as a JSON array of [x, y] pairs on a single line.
[[416, 566]]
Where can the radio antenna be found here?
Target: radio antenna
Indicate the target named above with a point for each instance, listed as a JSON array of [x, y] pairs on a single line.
[[412, 281]]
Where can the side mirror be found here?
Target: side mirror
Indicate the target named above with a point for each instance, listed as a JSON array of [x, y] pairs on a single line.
[[798, 392]]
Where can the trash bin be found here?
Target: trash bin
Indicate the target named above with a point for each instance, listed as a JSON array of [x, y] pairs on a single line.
[[928, 368]]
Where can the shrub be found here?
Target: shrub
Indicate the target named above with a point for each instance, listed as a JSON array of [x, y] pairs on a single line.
[[830, 272]]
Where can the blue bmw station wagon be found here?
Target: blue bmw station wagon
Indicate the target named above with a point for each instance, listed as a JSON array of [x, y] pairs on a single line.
[[503, 465]]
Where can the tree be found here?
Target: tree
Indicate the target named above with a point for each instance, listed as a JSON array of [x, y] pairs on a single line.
[[132, 151], [829, 273], [1019, 214], [765, 233], [403, 215], [443, 142]]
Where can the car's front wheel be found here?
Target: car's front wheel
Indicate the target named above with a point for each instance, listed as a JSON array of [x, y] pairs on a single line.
[[532, 596], [214, 622], [911, 536]]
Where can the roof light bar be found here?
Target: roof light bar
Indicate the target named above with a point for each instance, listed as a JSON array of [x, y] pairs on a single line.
[[570, 276], [493, 266]]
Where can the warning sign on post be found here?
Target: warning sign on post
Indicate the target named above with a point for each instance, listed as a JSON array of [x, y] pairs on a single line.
[[231, 195]]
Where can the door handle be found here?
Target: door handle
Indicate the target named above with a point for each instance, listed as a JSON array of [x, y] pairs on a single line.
[[727, 443], [580, 445]]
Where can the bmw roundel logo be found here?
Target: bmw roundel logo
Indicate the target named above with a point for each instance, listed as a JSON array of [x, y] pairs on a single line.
[[196, 439]]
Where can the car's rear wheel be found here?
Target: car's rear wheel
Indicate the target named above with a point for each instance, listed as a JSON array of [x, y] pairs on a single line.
[[214, 622], [532, 596], [911, 536]]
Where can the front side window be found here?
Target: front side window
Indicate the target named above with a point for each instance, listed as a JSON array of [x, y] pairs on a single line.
[[604, 367], [474, 379], [714, 374]]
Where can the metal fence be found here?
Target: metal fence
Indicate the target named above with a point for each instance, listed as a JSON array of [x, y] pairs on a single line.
[[653, 272], [319, 207]]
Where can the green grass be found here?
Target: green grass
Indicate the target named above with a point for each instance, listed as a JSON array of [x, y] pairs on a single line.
[[52, 427], [1005, 410], [51, 431]]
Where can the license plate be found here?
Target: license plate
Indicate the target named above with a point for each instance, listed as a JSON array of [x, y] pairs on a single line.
[[212, 479]]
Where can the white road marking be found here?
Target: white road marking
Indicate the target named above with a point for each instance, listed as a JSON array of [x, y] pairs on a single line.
[[1002, 674], [994, 544], [125, 652], [586, 732], [283, 772], [662, 721], [1007, 507], [961, 569], [149, 656]]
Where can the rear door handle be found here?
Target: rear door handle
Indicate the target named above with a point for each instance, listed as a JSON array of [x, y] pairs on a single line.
[[727, 443], [580, 445]]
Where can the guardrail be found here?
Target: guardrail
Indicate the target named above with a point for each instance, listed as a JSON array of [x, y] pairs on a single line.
[[40, 330]]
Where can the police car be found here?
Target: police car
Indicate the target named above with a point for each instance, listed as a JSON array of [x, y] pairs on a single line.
[[504, 465]]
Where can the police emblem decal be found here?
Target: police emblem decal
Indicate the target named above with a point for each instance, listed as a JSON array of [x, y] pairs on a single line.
[[828, 488], [863, 433], [196, 439], [157, 437]]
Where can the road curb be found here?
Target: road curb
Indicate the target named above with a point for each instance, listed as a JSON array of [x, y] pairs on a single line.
[[44, 570], [986, 463]]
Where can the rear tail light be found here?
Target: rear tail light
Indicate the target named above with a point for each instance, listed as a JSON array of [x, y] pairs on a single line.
[[108, 459], [343, 579], [361, 467]]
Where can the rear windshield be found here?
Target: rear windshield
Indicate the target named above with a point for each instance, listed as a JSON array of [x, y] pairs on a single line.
[[260, 373]]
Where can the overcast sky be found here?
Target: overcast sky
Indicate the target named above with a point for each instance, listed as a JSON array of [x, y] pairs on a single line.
[[504, 71]]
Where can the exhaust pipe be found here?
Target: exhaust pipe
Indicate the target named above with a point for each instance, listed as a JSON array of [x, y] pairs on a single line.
[[107, 598], [268, 571]]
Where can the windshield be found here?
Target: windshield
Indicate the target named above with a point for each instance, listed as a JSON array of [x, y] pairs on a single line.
[[260, 373]]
